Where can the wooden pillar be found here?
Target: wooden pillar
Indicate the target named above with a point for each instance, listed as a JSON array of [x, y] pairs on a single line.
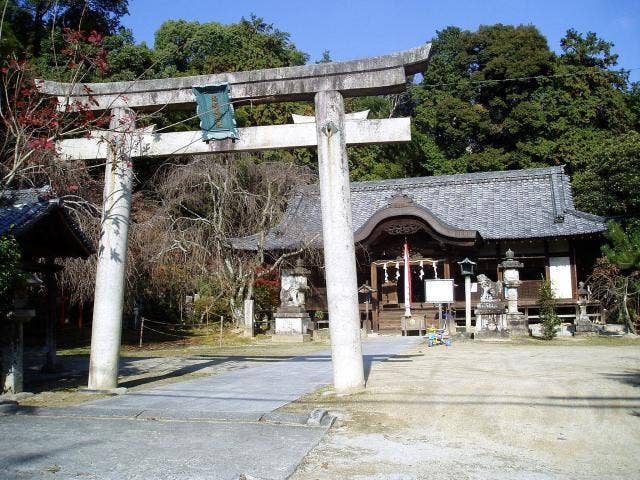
[[547, 269], [52, 317], [447, 269], [81, 315], [339, 248], [574, 272], [106, 331], [374, 297]]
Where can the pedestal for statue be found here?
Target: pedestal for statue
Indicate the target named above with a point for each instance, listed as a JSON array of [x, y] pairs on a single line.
[[11, 350], [518, 324], [292, 325], [491, 321], [584, 325]]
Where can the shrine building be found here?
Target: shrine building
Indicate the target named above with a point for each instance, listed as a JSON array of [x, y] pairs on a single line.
[[443, 220]]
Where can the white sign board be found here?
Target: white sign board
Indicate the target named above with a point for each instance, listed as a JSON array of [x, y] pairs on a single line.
[[560, 273], [438, 291]]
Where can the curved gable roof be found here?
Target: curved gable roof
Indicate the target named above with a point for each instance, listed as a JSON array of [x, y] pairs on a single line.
[[532, 203], [403, 206]]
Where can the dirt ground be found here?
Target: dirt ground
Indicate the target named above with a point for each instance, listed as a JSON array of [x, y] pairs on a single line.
[[567, 410]]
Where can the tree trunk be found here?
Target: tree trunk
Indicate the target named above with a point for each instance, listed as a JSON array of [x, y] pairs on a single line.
[[37, 30], [625, 307]]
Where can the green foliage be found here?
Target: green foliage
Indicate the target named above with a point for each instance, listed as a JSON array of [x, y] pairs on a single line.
[[570, 109], [548, 317], [589, 51], [9, 271], [266, 297], [609, 183], [209, 307], [128, 60], [615, 280], [189, 48], [28, 22], [623, 249]]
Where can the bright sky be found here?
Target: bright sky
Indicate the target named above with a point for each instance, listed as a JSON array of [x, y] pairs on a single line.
[[361, 28]]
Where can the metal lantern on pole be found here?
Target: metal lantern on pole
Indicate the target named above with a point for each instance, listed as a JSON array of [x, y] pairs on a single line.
[[366, 289], [467, 269]]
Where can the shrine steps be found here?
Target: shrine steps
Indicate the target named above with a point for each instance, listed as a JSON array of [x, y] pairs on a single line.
[[390, 320]]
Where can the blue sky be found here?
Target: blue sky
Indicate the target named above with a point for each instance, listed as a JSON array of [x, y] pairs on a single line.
[[361, 28]]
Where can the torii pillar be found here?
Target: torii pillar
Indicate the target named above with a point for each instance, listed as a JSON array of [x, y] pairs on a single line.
[[339, 248], [106, 329]]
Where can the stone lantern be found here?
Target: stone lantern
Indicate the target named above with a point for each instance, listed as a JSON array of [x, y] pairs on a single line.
[[511, 279], [467, 268], [11, 339], [583, 323]]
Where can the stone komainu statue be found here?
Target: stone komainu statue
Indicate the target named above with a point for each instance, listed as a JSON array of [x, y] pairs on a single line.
[[293, 290], [490, 290], [289, 291]]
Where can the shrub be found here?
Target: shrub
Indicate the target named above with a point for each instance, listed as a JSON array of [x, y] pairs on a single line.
[[548, 316], [210, 306], [9, 271]]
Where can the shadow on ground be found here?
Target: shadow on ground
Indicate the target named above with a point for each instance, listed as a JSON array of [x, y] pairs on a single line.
[[629, 377], [74, 369]]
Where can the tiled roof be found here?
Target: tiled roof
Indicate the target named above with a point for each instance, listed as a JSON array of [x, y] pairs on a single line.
[[26, 195], [22, 210], [515, 204]]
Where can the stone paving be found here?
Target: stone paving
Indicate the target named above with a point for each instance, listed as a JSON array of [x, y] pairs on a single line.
[[220, 427]]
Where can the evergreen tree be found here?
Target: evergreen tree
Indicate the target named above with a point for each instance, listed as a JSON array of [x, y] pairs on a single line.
[[9, 271], [622, 279], [499, 98], [548, 317]]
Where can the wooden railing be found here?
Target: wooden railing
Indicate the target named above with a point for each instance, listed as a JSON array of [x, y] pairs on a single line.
[[530, 289]]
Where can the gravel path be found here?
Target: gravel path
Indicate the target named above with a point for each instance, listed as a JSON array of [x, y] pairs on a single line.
[[488, 411]]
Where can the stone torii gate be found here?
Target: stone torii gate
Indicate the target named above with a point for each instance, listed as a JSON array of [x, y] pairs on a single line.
[[325, 84]]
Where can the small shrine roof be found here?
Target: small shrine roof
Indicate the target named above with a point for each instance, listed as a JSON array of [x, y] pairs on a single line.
[[42, 225]]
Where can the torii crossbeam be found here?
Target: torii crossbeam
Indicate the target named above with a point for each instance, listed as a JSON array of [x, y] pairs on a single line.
[[325, 84]]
